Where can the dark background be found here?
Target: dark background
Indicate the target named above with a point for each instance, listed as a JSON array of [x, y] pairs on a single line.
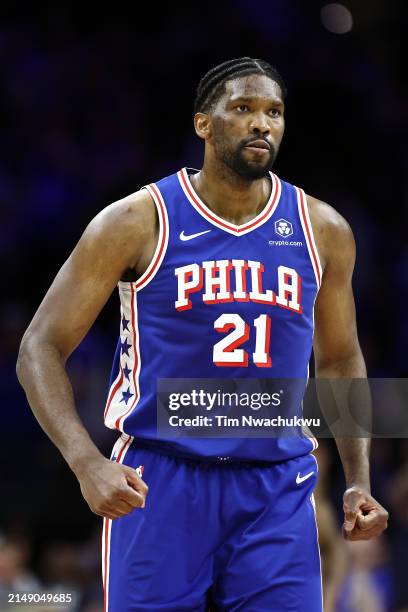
[[96, 103]]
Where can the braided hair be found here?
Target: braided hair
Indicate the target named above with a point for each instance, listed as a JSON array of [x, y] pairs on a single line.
[[211, 86]]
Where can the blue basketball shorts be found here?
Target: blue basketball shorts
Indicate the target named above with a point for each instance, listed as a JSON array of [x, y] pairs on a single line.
[[224, 537]]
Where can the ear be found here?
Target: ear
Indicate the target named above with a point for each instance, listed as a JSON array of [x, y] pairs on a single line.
[[202, 125]]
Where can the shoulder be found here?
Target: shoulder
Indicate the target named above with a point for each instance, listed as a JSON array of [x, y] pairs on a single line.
[[333, 234], [136, 211], [124, 226]]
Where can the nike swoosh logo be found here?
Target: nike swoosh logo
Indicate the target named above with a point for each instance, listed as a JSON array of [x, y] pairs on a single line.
[[191, 236], [300, 479]]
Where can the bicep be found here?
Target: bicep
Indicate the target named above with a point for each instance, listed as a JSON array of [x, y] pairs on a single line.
[[86, 280], [73, 301], [335, 337]]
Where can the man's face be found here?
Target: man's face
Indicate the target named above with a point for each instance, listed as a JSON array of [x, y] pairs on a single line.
[[248, 125]]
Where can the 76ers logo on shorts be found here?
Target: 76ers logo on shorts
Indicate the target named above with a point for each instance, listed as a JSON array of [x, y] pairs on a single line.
[[283, 228]]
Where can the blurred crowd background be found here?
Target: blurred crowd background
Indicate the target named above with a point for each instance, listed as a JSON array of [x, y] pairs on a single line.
[[97, 102]]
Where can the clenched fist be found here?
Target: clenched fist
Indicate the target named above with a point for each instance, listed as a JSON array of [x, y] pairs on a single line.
[[112, 489], [364, 517]]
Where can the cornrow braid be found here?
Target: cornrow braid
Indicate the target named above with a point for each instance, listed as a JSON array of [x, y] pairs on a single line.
[[211, 85]]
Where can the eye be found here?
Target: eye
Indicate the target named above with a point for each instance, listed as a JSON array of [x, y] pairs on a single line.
[[275, 112], [241, 108]]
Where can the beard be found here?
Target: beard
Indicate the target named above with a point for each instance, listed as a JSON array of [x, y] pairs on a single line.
[[247, 169]]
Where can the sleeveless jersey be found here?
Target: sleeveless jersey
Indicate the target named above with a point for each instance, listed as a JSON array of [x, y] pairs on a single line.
[[218, 300]]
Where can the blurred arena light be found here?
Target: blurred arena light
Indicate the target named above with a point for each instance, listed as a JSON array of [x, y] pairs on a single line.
[[336, 18]]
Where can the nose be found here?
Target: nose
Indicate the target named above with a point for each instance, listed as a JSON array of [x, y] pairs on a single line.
[[259, 124]]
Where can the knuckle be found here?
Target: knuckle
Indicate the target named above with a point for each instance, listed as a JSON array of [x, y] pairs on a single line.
[[351, 491]]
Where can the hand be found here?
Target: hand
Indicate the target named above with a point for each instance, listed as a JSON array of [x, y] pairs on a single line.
[[364, 517], [112, 489]]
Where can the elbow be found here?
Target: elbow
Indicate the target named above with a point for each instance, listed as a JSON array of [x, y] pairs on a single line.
[[23, 358], [351, 365], [36, 348], [30, 349]]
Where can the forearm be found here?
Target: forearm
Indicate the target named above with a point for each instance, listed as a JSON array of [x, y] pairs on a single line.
[[41, 372], [352, 407], [354, 454]]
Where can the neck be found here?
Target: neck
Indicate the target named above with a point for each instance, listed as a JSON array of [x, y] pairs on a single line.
[[229, 196]]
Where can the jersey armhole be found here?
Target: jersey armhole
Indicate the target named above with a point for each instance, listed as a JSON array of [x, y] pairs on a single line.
[[308, 234], [162, 242]]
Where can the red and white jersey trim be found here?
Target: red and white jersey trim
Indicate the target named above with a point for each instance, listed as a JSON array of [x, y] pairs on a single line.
[[211, 217], [309, 237], [163, 240], [124, 393], [317, 268], [309, 433], [118, 454]]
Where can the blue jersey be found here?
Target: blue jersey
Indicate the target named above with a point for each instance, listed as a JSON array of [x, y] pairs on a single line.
[[218, 300]]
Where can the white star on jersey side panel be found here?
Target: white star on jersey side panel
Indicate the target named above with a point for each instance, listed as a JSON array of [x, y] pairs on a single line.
[[124, 392]]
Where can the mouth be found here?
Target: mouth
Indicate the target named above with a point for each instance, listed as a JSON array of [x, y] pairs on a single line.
[[258, 144]]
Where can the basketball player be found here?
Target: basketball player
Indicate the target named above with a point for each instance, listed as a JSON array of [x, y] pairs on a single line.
[[218, 273]]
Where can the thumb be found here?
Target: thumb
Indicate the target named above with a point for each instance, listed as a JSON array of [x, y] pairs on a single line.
[[352, 501], [133, 476], [350, 517]]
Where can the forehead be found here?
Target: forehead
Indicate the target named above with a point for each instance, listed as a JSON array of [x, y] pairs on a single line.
[[252, 86]]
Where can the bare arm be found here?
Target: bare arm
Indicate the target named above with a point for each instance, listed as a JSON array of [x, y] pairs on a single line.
[[338, 356], [114, 241]]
